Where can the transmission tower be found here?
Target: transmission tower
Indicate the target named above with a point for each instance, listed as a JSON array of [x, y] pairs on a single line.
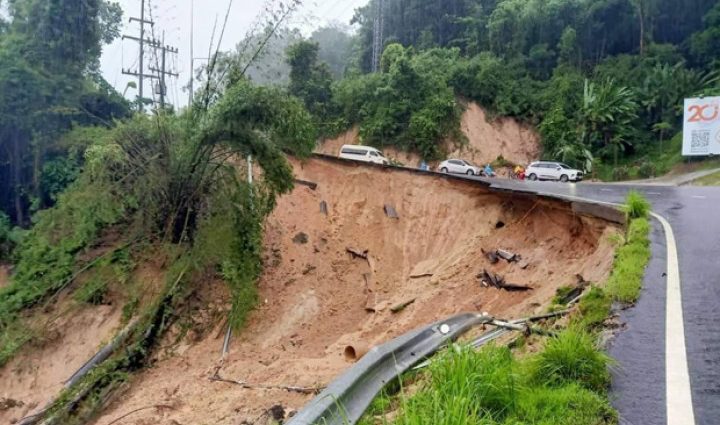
[[378, 35]]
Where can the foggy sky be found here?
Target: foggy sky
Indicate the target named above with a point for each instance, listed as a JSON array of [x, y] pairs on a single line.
[[173, 17]]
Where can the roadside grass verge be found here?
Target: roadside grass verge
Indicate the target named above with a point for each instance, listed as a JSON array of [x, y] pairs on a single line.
[[709, 180], [565, 383]]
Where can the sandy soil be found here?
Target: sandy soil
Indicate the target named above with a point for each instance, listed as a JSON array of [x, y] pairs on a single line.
[[486, 141], [314, 294], [70, 334], [37, 374]]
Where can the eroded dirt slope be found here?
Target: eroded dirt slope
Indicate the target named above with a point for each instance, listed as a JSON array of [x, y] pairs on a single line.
[[314, 298], [487, 139]]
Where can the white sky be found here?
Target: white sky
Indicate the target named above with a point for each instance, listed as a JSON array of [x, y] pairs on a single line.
[[173, 17]]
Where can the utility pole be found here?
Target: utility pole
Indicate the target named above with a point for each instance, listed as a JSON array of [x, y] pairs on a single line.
[[162, 72], [192, 59], [140, 73], [378, 35]]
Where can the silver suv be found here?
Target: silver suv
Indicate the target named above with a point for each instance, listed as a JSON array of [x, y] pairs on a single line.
[[545, 170]]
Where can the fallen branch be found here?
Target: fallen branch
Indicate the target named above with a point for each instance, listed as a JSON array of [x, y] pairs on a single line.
[[155, 406], [356, 253], [288, 388], [497, 281], [400, 307]]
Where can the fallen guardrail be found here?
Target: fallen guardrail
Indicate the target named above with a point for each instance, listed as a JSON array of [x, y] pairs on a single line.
[[345, 400]]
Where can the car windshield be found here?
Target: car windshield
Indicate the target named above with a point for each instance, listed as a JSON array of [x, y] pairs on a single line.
[[567, 167], [380, 154], [469, 164]]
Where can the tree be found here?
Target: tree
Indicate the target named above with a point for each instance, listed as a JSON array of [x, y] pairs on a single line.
[[335, 47], [48, 57], [310, 79], [608, 113]]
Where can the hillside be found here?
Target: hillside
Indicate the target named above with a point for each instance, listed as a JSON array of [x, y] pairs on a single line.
[[486, 140]]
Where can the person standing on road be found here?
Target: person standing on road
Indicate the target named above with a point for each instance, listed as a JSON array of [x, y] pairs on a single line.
[[489, 171], [519, 172]]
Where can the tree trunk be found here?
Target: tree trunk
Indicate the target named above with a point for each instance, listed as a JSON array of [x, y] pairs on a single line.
[[16, 164], [641, 17]]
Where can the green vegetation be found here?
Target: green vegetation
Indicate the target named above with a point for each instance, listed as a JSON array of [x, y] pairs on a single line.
[[636, 206], [603, 81], [465, 387], [625, 281]]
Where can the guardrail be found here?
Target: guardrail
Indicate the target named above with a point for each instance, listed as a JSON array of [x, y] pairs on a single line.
[[345, 400]]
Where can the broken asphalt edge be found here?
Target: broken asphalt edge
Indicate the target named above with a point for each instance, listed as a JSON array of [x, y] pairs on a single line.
[[580, 206]]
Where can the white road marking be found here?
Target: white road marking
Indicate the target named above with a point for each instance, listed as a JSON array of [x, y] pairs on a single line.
[[677, 378], [699, 197], [606, 190], [653, 193]]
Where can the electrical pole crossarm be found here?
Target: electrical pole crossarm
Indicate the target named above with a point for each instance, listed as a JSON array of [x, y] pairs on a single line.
[[172, 74], [148, 41], [142, 21], [137, 74]]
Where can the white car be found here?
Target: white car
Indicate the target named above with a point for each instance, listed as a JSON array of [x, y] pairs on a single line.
[[546, 170], [364, 154], [459, 166]]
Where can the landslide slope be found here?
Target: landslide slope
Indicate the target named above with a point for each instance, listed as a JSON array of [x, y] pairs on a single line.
[[314, 294]]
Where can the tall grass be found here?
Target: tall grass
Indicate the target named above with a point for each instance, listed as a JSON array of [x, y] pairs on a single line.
[[572, 358], [489, 386], [636, 206]]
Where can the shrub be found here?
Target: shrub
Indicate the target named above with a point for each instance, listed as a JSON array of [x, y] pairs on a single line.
[[647, 169], [621, 173]]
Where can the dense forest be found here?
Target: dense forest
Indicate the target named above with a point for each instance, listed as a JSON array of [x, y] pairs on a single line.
[[603, 81]]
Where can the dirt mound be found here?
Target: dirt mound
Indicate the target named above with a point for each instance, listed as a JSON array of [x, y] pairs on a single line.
[[315, 296], [486, 141]]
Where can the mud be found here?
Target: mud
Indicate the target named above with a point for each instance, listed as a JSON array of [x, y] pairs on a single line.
[[316, 300]]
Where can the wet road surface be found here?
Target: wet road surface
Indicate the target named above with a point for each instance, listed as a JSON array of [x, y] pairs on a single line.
[[639, 378]]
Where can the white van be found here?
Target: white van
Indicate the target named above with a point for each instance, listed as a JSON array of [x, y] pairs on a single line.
[[363, 153]]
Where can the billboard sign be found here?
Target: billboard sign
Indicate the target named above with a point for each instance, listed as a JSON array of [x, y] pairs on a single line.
[[701, 127]]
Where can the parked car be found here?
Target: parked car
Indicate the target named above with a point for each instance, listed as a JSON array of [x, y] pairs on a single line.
[[363, 153], [459, 166], [546, 170]]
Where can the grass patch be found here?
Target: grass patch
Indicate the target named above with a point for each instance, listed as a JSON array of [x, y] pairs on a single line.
[[709, 180], [92, 292], [594, 308], [625, 281], [467, 387], [572, 358]]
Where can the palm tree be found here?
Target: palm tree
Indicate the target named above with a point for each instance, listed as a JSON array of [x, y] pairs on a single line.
[[608, 113]]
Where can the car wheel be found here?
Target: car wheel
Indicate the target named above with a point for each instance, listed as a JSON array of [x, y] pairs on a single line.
[[443, 170], [532, 177], [470, 173], [564, 178]]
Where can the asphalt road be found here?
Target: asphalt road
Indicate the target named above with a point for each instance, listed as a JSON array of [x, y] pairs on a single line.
[[639, 378]]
